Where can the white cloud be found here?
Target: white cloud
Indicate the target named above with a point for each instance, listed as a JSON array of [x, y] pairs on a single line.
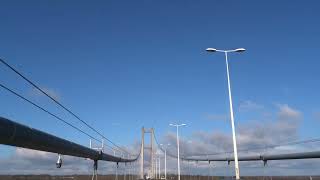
[[287, 112], [249, 106], [26, 161], [31, 154], [252, 134], [283, 127]]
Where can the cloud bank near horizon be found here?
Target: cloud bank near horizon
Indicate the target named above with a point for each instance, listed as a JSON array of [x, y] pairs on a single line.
[[282, 126]]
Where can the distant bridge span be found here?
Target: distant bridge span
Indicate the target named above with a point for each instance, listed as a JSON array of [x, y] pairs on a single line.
[[265, 158]]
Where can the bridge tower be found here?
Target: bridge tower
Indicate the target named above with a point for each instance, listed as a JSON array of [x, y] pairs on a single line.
[[151, 148]]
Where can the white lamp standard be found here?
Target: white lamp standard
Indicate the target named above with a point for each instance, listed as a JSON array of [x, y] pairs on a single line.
[[177, 126], [159, 167], [236, 163], [165, 160], [156, 167], [157, 158]]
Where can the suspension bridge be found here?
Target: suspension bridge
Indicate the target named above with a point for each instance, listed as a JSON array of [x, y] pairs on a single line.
[[16, 134]]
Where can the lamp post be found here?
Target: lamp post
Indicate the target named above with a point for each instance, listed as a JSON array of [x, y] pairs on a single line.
[[156, 168], [236, 163], [177, 126], [159, 167], [165, 160]]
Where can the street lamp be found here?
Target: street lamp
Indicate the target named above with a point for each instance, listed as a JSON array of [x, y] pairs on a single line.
[[236, 163], [159, 166], [165, 160], [156, 167], [177, 126]]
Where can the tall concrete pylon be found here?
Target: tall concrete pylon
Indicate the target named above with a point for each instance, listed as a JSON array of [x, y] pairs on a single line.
[[152, 153], [142, 154], [152, 169]]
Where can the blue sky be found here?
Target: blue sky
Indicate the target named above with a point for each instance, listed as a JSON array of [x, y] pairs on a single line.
[[122, 65]]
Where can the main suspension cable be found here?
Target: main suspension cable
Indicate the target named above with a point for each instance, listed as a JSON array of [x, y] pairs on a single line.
[[62, 106], [48, 112]]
